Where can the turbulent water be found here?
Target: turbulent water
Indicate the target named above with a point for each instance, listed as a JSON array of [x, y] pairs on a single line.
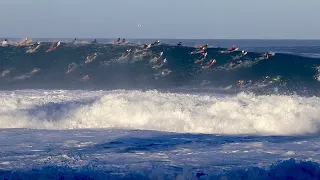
[[91, 111]]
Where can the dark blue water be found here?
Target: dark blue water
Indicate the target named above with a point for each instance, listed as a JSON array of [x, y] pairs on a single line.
[[292, 70]]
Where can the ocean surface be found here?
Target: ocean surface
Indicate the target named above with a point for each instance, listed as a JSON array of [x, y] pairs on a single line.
[[122, 111]]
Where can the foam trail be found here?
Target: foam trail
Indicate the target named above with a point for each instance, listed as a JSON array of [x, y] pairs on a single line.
[[152, 110]]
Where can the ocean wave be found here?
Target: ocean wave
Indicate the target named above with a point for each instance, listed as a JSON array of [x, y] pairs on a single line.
[[152, 110], [107, 66]]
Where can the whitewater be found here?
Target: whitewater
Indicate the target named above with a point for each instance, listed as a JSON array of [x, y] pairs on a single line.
[[88, 111]]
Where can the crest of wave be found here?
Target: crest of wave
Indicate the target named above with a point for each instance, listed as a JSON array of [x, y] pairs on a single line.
[[182, 113]]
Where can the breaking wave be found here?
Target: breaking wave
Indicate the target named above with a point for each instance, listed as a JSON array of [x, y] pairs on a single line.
[[108, 66]]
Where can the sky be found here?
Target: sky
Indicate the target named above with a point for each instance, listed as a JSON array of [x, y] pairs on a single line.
[[177, 19]]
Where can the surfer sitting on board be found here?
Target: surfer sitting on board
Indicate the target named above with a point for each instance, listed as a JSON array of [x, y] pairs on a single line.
[[94, 42], [267, 55], [74, 41], [34, 45], [156, 43], [179, 44], [5, 42]]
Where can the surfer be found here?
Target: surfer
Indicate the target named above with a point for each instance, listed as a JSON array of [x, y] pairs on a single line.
[[157, 42], [54, 46], [94, 41], [35, 70], [156, 59], [202, 57], [146, 46], [243, 53], [267, 55], [242, 83], [118, 41], [86, 77], [159, 63], [203, 47], [179, 44], [127, 52], [74, 41], [233, 48], [162, 62], [4, 42], [200, 50], [24, 42], [123, 41], [71, 67], [234, 64], [209, 63], [34, 45]]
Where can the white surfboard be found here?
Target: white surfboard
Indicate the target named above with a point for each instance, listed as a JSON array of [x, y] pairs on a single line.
[[32, 50], [91, 58]]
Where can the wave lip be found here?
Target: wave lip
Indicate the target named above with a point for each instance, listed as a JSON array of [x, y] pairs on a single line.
[[171, 112]]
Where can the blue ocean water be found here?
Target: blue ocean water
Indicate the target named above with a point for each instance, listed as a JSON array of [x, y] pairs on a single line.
[[98, 111]]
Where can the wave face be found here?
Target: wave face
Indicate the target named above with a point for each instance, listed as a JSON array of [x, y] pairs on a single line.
[[104, 66], [170, 112]]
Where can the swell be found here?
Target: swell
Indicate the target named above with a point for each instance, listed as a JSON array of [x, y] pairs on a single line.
[[110, 70]]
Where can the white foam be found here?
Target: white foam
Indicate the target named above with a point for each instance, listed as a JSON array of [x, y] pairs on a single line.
[[152, 110]]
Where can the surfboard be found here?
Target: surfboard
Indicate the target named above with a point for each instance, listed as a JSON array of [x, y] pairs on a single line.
[[24, 43], [199, 60], [53, 48], [197, 52], [209, 64], [71, 67], [32, 50], [229, 51], [160, 65], [91, 58]]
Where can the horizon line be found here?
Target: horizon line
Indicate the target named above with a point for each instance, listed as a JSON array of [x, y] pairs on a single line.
[[161, 38]]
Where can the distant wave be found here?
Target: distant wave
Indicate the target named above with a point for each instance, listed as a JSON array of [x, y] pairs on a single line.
[[107, 66]]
